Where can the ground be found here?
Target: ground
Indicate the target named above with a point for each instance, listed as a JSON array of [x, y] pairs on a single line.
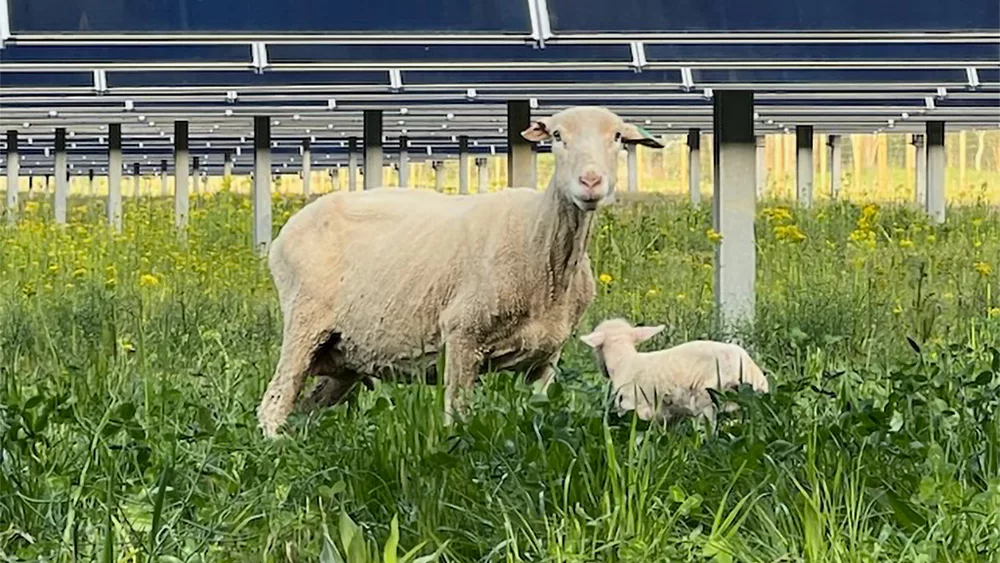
[[131, 365]]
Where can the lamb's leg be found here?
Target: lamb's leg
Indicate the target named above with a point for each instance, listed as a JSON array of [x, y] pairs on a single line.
[[284, 388], [544, 373], [460, 369]]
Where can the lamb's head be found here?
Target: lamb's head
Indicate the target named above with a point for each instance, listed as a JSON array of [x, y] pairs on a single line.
[[586, 142], [614, 332]]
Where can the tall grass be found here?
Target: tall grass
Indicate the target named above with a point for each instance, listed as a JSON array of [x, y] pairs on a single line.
[[131, 365]]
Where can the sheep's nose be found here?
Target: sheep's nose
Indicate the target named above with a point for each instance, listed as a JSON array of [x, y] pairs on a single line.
[[590, 179]]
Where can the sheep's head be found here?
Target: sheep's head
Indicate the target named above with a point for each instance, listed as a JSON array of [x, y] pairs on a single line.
[[613, 332], [586, 142]]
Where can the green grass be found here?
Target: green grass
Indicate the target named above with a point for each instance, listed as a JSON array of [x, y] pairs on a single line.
[[131, 366]]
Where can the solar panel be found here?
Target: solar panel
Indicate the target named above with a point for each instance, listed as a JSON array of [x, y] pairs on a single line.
[[268, 16], [659, 16]]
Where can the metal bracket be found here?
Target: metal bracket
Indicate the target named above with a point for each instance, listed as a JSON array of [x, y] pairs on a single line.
[[541, 28], [687, 79], [258, 56], [973, 76], [395, 80], [100, 82], [638, 55]]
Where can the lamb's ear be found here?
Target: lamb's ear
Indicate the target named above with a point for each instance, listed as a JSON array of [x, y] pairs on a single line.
[[594, 339], [644, 333], [540, 130], [637, 135]]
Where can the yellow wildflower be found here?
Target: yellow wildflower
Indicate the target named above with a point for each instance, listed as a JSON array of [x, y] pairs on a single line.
[[931, 238], [681, 296], [983, 268], [149, 280], [713, 235], [605, 278], [994, 313], [653, 292], [54, 268], [789, 233], [905, 243], [79, 272]]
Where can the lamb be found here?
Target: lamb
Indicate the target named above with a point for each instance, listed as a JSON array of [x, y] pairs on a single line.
[[673, 382], [376, 284]]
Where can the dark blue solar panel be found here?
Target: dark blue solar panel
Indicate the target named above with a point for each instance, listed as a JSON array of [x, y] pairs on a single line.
[[771, 15], [841, 52], [902, 76], [989, 76], [121, 53], [670, 78], [445, 53], [255, 16], [45, 79], [243, 78]]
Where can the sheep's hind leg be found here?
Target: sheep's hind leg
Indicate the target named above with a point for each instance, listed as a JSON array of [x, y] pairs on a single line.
[[541, 376], [330, 390]]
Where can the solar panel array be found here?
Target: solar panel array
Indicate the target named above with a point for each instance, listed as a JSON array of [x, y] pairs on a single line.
[[444, 68]]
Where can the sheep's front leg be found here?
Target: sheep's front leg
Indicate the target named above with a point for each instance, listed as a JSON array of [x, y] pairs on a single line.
[[462, 362]]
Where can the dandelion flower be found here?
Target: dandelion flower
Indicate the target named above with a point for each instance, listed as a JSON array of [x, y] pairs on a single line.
[[983, 268], [605, 278], [714, 236], [149, 280]]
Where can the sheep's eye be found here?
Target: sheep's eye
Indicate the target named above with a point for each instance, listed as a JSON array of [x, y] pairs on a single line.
[[557, 136], [618, 137]]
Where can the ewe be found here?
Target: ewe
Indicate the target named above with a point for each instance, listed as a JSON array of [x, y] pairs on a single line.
[[376, 283], [672, 382]]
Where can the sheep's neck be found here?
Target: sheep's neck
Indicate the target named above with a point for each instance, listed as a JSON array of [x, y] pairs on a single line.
[[616, 355], [564, 231]]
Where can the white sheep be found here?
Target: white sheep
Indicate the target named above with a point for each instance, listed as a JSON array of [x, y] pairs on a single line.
[[376, 283], [669, 383]]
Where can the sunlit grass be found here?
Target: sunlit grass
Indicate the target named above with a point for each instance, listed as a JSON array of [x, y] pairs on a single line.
[[131, 365]]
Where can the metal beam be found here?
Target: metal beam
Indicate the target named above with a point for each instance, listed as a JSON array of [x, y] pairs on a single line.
[[519, 152], [262, 184], [920, 184], [760, 153], [483, 173], [61, 198], [836, 161], [163, 178], [404, 162], [182, 176], [804, 160], [373, 148], [936, 203], [13, 181], [352, 164], [633, 167], [306, 169], [463, 164], [438, 167], [733, 208], [694, 165], [115, 176]]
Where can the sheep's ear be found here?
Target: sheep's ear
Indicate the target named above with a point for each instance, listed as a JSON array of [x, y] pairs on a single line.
[[594, 339], [637, 135], [644, 333], [540, 130]]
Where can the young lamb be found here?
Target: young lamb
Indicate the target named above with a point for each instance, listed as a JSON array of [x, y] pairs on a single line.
[[673, 382], [376, 283]]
